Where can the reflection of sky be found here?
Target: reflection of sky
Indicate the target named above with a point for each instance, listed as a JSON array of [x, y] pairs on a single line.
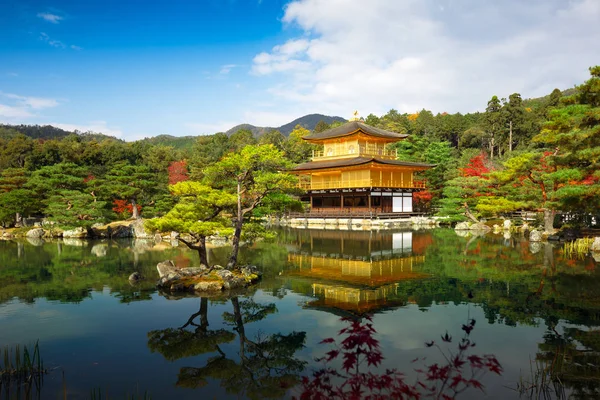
[[102, 343]]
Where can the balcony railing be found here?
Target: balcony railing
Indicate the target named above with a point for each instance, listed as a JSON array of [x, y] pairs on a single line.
[[349, 151], [359, 183]]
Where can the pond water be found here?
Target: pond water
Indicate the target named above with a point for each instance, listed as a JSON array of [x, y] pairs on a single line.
[[535, 310]]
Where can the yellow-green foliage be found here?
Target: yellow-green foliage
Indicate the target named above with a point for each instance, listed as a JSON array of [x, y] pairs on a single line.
[[491, 206], [197, 211], [578, 248]]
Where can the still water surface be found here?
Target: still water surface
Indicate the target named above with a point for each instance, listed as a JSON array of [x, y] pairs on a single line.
[[533, 308]]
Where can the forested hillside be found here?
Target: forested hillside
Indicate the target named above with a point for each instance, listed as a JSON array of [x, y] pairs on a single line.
[[534, 155]]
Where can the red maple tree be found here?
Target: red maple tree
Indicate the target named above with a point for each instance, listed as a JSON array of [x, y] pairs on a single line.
[[476, 166], [124, 208], [178, 172]]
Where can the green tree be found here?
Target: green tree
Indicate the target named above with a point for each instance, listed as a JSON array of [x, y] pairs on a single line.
[[241, 139], [15, 203], [298, 150], [134, 183], [15, 152], [321, 126], [251, 175], [493, 124], [207, 150], [514, 115], [273, 137], [198, 213], [72, 208]]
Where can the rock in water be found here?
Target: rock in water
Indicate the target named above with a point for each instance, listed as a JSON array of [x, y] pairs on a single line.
[[165, 267], [135, 277], [535, 236]]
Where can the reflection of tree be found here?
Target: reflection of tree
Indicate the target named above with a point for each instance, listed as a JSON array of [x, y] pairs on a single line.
[[573, 360], [266, 366], [175, 343]]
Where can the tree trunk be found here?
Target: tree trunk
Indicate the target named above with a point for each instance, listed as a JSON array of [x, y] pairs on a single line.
[[202, 251], [134, 210], [235, 242], [18, 220], [510, 136], [239, 326], [204, 314], [468, 213], [549, 220], [200, 246]]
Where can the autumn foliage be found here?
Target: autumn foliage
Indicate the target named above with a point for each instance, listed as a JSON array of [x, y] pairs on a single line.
[[124, 208], [476, 166], [359, 349], [178, 172]]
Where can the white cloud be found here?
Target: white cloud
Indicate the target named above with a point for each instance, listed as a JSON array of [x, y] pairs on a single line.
[[92, 126], [35, 103], [436, 54], [53, 18], [226, 69], [7, 113], [78, 48], [23, 107], [52, 42]]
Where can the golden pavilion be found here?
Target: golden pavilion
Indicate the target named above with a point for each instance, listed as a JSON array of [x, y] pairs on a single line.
[[354, 172]]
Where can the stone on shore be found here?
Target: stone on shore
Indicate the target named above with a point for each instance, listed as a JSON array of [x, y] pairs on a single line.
[[35, 233], [462, 226], [595, 245], [77, 233]]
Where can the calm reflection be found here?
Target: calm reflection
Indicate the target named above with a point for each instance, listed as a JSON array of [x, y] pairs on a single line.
[[357, 271], [531, 304], [263, 367]]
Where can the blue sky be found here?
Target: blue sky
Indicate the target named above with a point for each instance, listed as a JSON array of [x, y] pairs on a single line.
[[142, 68]]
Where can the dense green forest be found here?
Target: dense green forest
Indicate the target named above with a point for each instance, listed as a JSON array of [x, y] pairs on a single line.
[[538, 154]]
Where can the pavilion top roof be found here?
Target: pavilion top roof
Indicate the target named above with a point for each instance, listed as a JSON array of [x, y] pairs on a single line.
[[352, 127]]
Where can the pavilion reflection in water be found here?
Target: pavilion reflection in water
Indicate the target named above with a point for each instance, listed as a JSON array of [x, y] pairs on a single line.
[[355, 272]]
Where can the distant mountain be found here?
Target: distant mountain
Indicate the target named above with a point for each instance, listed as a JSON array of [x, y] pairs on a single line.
[[308, 121], [47, 132], [256, 130]]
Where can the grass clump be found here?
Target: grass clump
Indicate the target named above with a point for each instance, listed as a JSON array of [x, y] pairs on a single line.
[[21, 369], [578, 248]]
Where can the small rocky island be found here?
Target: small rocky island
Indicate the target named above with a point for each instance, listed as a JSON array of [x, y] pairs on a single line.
[[203, 279]]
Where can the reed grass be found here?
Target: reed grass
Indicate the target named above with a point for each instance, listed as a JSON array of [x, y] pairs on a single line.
[[21, 368], [578, 248], [544, 384]]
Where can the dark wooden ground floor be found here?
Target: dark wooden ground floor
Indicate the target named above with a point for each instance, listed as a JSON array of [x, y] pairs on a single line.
[[360, 202]]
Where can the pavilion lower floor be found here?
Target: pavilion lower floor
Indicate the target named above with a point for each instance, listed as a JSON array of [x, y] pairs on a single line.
[[360, 202]]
